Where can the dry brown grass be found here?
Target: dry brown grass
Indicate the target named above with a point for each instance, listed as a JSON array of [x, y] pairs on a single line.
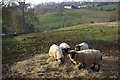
[[107, 24], [41, 66]]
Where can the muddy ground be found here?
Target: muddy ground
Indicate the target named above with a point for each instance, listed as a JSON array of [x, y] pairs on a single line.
[[41, 66]]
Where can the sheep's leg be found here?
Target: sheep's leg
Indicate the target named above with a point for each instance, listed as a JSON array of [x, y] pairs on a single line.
[[79, 67], [98, 63], [93, 66], [84, 65], [98, 68], [74, 61]]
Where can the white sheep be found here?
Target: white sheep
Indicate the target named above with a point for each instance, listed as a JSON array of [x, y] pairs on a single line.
[[65, 47], [56, 52], [81, 46], [89, 56]]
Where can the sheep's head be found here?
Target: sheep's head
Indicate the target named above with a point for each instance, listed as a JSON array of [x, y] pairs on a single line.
[[65, 51], [77, 47], [72, 53]]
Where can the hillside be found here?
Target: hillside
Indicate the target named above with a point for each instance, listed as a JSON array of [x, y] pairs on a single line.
[[108, 7], [71, 17]]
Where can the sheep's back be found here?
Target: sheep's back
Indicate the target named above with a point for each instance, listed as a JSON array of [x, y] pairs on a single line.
[[89, 56], [84, 46], [53, 49], [64, 45], [98, 56], [56, 52]]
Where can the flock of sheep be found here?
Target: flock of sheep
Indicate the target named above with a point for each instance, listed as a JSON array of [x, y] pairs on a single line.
[[82, 55]]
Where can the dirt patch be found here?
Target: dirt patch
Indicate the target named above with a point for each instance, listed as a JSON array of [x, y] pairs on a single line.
[[107, 24], [41, 66], [20, 38]]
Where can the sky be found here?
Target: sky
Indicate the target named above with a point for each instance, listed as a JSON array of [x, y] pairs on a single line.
[[43, 1], [35, 2]]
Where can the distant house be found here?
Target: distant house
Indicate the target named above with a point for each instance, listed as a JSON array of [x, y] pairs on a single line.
[[81, 7], [68, 7]]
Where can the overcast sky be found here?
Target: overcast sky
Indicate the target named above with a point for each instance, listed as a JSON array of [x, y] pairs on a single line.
[[43, 1]]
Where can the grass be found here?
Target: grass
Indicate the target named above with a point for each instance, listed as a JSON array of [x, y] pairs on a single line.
[[96, 32], [72, 17], [87, 16], [11, 42], [110, 6], [49, 20], [54, 20]]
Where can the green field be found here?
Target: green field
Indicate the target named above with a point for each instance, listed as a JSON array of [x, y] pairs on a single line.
[[54, 20], [86, 16], [71, 17], [110, 6]]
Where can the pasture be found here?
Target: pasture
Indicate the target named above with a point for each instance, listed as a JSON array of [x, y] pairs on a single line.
[[53, 19], [110, 6], [26, 55]]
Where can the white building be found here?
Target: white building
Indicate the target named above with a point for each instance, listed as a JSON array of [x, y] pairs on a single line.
[[81, 6], [68, 7]]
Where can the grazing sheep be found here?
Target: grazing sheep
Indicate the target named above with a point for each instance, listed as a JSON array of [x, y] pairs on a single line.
[[56, 52], [81, 46], [65, 47], [89, 56]]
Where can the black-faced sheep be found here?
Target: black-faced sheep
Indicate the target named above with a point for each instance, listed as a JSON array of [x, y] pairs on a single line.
[[65, 47], [81, 46], [89, 56], [56, 52]]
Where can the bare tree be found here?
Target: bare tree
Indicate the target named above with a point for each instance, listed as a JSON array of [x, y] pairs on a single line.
[[60, 8], [63, 20], [22, 7]]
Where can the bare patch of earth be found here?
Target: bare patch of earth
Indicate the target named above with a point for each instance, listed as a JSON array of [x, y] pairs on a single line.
[[107, 24]]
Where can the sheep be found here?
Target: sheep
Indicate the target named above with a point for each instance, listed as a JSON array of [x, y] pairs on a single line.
[[65, 47], [56, 52], [81, 46], [89, 56]]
